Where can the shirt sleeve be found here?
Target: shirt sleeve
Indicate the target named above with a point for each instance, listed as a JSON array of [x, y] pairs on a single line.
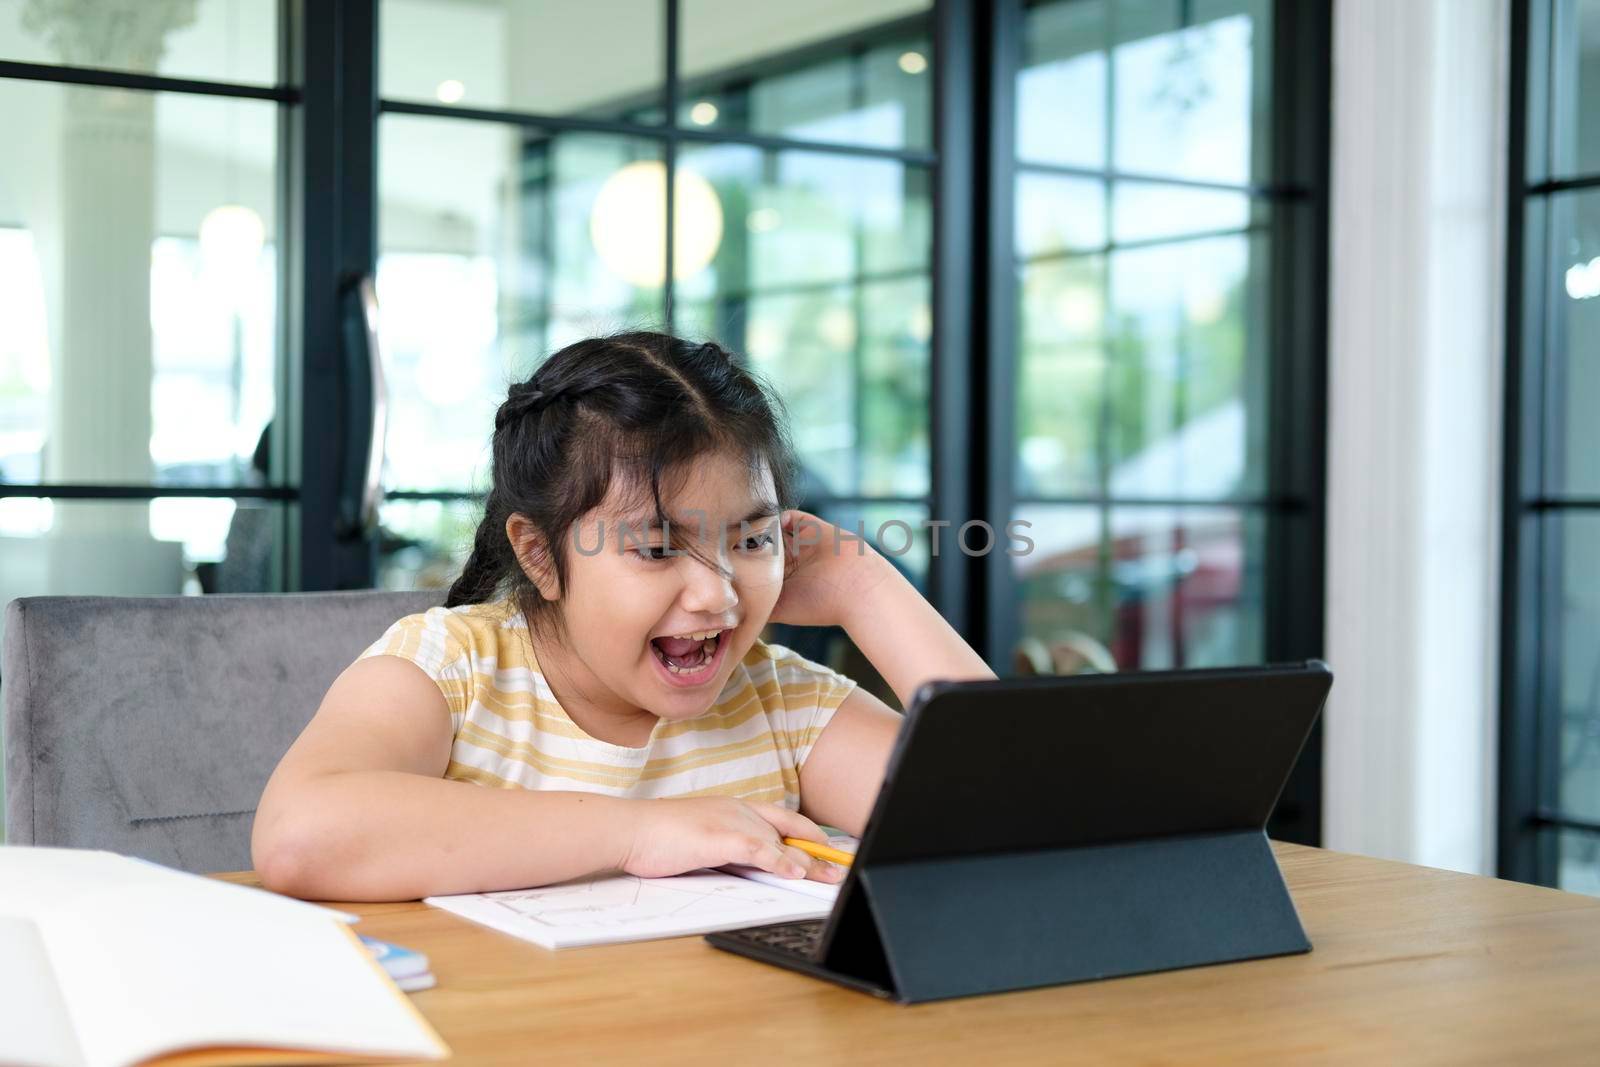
[[428, 640], [811, 694]]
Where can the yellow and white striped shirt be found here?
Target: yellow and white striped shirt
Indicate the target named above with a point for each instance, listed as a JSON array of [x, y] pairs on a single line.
[[510, 733]]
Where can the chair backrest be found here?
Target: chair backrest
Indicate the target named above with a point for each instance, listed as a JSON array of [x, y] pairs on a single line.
[[149, 725]]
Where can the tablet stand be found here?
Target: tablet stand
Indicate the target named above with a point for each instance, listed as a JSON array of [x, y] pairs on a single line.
[[929, 929]]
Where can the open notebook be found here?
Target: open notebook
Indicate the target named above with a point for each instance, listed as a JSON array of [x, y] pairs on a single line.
[[609, 908], [106, 960]]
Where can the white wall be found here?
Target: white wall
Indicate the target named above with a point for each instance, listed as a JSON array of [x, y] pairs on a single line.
[[1415, 368]]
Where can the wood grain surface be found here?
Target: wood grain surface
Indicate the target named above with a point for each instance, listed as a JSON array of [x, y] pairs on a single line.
[[1410, 965]]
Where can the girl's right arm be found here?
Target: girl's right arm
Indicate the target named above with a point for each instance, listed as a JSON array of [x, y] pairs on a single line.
[[358, 809]]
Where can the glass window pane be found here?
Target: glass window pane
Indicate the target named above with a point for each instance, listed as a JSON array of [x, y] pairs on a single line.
[[1061, 88], [1149, 380], [1193, 99], [1574, 457], [1061, 395], [1575, 117], [820, 275], [849, 74], [1149, 211], [1188, 368], [423, 544], [555, 57], [497, 246], [805, 344], [1059, 214], [168, 545], [138, 286], [1578, 863], [800, 218], [1577, 685], [1138, 588], [1187, 87], [209, 40], [895, 327]]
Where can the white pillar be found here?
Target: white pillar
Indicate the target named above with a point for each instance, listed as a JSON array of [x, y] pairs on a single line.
[[100, 419], [1415, 368], [100, 406]]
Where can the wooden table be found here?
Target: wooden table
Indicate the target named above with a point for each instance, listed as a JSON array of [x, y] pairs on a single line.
[[1410, 965]]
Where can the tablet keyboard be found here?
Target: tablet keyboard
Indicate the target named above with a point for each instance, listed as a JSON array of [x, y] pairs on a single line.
[[801, 939]]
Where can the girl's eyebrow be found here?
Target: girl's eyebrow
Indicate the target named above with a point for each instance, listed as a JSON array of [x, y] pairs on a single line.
[[762, 511], [649, 522]]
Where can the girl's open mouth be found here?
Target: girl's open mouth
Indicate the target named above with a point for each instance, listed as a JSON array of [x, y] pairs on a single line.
[[690, 659]]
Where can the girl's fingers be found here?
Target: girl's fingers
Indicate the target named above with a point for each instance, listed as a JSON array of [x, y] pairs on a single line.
[[823, 871], [791, 551], [779, 860], [790, 823], [816, 870]]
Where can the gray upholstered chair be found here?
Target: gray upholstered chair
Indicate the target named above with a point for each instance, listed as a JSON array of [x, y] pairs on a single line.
[[149, 725]]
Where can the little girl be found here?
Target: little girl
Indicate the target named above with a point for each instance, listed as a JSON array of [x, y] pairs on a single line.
[[594, 695]]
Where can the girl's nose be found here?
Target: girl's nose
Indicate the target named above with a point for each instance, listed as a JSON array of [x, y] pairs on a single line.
[[706, 591]]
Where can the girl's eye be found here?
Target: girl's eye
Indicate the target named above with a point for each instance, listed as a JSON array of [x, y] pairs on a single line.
[[654, 553], [758, 542]]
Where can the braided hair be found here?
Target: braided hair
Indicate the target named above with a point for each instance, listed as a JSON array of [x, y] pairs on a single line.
[[637, 406]]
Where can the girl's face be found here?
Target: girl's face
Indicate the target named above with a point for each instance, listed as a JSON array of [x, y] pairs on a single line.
[[653, 628]]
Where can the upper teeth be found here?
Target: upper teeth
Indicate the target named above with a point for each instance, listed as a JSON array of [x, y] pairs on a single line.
[[706, 636]]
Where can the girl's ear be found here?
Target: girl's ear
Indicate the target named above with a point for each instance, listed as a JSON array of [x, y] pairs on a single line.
[[533, 555]]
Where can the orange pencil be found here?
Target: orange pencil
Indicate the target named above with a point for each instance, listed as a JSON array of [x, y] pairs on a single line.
[[822, 852]]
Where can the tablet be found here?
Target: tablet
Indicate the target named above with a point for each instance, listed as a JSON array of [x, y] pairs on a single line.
[[1044, 830]]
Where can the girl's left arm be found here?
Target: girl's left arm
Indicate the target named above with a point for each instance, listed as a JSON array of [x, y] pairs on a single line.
[[903, 637], [899, 632]]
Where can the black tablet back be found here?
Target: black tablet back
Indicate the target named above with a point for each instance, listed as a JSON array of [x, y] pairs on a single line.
[[1052, 762], [1054, 830]]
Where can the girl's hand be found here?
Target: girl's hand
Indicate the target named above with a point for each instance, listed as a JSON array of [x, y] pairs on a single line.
[[677, 835], [827, 571]]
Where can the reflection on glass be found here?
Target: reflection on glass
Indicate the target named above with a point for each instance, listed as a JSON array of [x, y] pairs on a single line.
[[1186, 87], [168, 545], [821, 278], [210, 40], [1138, 587], [847, 74], [496, 247], [423, 544], [556, 57], [1576, 689], [137, 286], [1575, 468]]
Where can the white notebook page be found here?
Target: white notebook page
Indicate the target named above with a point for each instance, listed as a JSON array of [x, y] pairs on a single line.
[[141, 977], [605, 909], [610, 908]]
